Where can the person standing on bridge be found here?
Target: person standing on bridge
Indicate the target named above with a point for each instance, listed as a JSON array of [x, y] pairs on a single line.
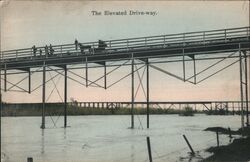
[[34, 49], [101, 45], [40, 51], [81, 48], [76, 44], [46, 51], [51, 49]]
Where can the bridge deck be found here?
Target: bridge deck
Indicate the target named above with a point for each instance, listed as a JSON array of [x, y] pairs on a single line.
[[192, 43]]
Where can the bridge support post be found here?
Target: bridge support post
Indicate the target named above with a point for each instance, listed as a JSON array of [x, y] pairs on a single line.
[[241, 90], [86, 71], [65, 96], [192, 56], [147, 65], [105, 76], [132, 91], [43, 96], [1, 107], [5, 78], [194, 69], [29, 73], [183, 65], [233, 107], [246, 87], [243, 84]]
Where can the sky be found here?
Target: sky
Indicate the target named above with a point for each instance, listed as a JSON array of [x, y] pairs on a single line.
[[40, 23]]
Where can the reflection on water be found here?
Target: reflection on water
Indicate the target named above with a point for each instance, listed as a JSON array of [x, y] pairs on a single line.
[[64, 133], [132, 153], [42, 143], [106, 138]]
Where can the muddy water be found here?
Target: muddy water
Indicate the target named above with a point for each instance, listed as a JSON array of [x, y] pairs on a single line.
[[107, 138]]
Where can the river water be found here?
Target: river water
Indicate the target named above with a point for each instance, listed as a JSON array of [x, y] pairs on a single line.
[[108, 138]]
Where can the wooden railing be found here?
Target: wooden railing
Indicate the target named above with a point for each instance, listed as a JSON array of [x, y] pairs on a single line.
[[123, 45]]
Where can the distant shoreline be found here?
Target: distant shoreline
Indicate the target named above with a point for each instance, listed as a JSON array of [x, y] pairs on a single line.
[[55, 109]]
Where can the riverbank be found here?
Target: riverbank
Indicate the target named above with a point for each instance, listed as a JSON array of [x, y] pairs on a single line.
[[54, 109], [238, 150]]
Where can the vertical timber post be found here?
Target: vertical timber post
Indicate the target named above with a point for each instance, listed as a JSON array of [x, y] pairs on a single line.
[[233, 107], [29, 80], [217, 137], [5, 77], [249, 71], [1, 107], [184, 66], [190, 147], [105, 76], [246, 88], [147, 65], [192, 56], [65, 96], [241, 91], [194, 69], [132, 91], [43, 96], [86, 72], [149, 150], [229, 132]]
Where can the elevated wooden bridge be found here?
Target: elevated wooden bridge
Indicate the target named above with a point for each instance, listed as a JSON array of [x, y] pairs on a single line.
[[232, 43]]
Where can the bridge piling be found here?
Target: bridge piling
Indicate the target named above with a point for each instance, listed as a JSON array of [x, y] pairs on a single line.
[[105, 76], [65, 96], [43, 97], [86, 71], [229, 132], [217, 137], [29, 81], [132, 91], [233, 107], [149, 149], [194, 63], [147, 93], [5, 78], [243, 84], [183, 65], [190, 147], [1, 108], [246, 86]]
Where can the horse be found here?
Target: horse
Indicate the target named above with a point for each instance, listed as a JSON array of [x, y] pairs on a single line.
[[84, 47]]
